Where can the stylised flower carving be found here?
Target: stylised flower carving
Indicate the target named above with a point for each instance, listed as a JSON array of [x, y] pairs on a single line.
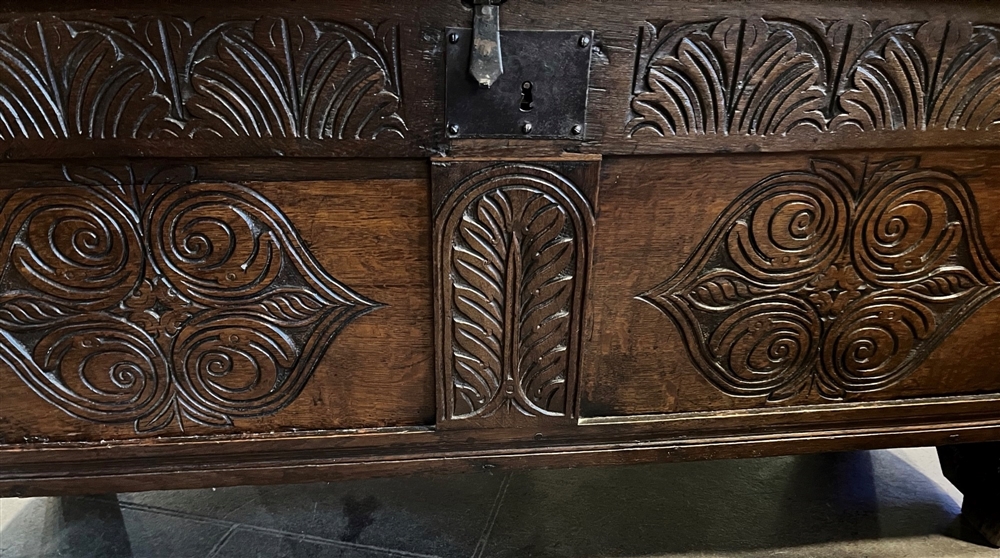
[[834, 277], [168, 301], [157, 308], [835, 288]]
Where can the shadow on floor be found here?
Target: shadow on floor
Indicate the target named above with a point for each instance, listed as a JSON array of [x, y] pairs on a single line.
[[724, 506], [852, 504]]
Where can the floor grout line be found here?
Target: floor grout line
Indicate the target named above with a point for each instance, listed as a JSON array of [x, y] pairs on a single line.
[[492, 519], [223, 540], [177, 513], [234, 526], [330, 542]]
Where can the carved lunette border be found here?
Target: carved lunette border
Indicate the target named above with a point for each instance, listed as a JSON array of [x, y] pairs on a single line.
[[167, 77], [773, 75]]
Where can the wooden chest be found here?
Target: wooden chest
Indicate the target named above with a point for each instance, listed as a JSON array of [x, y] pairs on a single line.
[[260, 242]]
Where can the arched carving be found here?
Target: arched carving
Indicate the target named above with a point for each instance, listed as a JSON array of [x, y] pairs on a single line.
[[512, 247]]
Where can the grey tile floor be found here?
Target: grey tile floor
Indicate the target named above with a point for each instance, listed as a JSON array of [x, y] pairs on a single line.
[[891, 504]]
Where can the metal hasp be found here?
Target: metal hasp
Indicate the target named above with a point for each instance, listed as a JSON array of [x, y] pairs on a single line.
[[543, 92], [486, 65]]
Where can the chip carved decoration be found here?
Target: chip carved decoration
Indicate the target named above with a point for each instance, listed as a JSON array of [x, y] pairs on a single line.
[[773, 76], [163, 77], [159, 300], [840, 278], [512, 252]]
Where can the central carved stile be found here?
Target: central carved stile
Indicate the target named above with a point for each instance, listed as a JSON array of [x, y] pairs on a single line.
[[512, 254], [513, 281], [512, 315]]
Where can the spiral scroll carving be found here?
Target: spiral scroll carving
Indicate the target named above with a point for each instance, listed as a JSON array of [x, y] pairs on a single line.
[[836, 278], [161, 300]]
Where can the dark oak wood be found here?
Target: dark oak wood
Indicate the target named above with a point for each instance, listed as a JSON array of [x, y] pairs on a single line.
[[238, 244], [215, 307], [791, 280], [512, 252], [167, 77]]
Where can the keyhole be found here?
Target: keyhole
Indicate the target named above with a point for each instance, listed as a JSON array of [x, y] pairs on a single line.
[[527, 101]]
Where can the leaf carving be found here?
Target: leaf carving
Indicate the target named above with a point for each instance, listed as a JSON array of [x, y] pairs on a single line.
[[775, 76], [946, 284], [293, 308], [721, 290], [514, 246], [925, 75], [698, 81], [165, 77], [297, 78], [29, 311], [61, 79], [513, 299]]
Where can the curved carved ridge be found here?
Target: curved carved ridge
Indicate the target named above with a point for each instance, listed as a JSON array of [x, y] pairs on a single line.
[[153, 77], [837, 278], [160, 300], [762, 76], [513, 250]]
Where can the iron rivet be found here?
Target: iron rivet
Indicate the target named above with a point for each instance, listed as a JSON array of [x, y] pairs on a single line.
[[453, 37], [453, 129], [577, 130], [585, 41], [527, 128]]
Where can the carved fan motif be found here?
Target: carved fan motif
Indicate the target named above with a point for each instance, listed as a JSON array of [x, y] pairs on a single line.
[[162, 300], [296, 78], [761, 76], [840, 278], [149, 77]]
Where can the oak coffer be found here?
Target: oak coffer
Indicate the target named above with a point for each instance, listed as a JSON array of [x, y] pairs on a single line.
[[282, 241]]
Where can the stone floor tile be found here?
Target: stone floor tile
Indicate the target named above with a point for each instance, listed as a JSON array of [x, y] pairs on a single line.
[[437, 515]]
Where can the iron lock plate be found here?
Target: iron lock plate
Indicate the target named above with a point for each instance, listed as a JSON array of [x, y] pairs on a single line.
[[542, 93]]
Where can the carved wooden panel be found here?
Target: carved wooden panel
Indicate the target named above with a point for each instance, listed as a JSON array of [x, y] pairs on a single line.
[[770, 76], [512, 244], [841, 277], [160, 77], [161, 300]]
